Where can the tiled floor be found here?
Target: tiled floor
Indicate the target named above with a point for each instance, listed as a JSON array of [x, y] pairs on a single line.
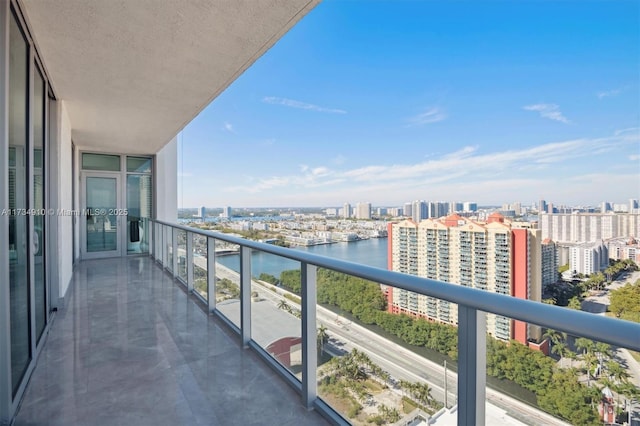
[[132, 349]]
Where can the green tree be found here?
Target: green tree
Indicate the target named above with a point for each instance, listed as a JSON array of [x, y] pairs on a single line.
[[569, 399], [625, 302], [291, 280], [284, 305], [574, 303], [584, 344], [268, 278], [323, 337]]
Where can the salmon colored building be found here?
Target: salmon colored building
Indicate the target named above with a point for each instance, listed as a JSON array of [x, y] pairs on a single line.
[[495, 255]]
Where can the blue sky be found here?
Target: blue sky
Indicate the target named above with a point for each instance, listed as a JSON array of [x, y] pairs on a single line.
[[391, 101]]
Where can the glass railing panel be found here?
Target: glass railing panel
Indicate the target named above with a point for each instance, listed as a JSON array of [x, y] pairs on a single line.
[[276, 310], [546, 376], [200, 283], [228, 280], [148, 234], [375, 364], [168, 248], [162, 249], [181, 254], [158, 243]]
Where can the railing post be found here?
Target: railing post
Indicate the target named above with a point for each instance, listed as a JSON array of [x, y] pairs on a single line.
[[189, 260], [151, 240], [174, 251], [211, 274], [163, 246], [309, 335], [472, 356], [245, 295]]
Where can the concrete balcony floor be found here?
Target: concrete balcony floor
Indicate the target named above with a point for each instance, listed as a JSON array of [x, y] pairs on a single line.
[[132, 348]]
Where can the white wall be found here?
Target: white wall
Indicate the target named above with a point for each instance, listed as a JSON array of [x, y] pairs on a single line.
[[60, 246], [65, 197], [166, 182]]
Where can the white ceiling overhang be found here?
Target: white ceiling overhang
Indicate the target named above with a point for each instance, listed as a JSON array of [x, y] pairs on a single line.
[[133, 73]]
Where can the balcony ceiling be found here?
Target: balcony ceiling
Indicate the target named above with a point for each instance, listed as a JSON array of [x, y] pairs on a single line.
[[133, 73]]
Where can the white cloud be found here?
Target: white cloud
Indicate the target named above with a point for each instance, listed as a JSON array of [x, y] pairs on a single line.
[[634, 157], [607, 93], [432, 115], [628, 130], [464, 152], [613, 92], [300, 105], [550, 111], [451, 173], [228, 127]]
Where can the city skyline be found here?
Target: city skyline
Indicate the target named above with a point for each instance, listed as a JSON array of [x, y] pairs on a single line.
[[388, 103]]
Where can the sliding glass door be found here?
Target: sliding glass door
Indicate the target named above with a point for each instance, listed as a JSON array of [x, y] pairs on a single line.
[[27, 99], [102, 215], [19, 283]]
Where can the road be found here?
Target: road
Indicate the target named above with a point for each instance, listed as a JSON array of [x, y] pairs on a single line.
[[401, 363]]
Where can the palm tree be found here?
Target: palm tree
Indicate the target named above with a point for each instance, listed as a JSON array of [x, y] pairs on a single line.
[[559, 349], [323, 337], [586, 345], [553, 336], [283, 305], [617, 372], [590, 360], [568, 353], [423, 393]]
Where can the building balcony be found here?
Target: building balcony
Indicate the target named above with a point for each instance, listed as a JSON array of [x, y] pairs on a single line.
[[160, 340], [133, 347]]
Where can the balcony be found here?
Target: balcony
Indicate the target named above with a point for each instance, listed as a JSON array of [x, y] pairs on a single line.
[[132, 347], [165, 342]]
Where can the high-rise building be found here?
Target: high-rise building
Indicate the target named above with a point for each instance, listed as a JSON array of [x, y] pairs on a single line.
[[549, 263], [542, 206], [437, 209], [493, 256], [419, 210], [226, 212], [202, 212], [587, 258], [634, 205], [468, 206], [363, 211], [589, 227], [407, 210], [346, 210], [455, 207]]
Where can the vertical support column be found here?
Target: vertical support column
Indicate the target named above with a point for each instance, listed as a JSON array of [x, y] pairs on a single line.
[[54, 196], [472, 365], [5, 304], [211, 273], [309, 335], [174, 251], [245, 295], [30, 204], [189, 260]]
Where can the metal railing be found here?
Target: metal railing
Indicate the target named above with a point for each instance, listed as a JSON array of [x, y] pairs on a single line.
[[473, 304]]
